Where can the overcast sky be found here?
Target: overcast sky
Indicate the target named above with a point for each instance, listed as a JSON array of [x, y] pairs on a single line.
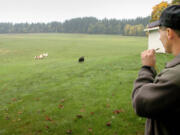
[[60, 10]]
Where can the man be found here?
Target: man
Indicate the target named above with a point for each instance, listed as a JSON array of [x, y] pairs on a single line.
[[157, 97]]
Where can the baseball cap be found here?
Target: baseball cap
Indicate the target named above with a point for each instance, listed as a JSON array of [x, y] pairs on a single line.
[[170, 17]]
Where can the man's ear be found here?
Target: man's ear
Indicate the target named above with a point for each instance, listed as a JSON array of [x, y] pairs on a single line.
[[170, 33]]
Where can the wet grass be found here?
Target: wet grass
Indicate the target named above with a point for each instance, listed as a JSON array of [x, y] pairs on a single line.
[[58, 95]]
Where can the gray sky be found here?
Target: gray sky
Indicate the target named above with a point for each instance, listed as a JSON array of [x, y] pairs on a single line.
[[60, 10]]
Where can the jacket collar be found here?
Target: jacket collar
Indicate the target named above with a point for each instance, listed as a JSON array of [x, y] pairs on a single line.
[[174, 62]]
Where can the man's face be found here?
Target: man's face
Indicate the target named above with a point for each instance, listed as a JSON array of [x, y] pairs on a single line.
[[164, 39]]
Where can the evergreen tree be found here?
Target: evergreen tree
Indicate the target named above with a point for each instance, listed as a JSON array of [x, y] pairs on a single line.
[[91, 25], [176, 2]]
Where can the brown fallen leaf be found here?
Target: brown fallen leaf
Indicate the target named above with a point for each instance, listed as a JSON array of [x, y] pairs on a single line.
[[14, 99], [79, 116], [20, 112], [62, 100], [69, 131], [118, 111], [43, 110], [38, 132], [108, 105], [92, 113], [47, 127], [108, 124], [61, 106], [7, 118], [48, 118], [90, 129]]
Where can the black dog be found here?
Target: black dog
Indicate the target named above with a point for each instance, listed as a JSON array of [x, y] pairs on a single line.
[[81, 59]]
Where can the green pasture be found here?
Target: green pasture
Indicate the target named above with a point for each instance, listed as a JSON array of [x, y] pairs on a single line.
[[59, 96]]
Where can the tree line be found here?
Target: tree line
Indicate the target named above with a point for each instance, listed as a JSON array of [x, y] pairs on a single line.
[[90, 25]]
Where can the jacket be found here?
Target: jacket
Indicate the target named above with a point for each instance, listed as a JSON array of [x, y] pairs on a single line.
[[157, 97]]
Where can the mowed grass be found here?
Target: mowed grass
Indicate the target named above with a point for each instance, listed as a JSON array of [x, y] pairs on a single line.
[[58, 95]]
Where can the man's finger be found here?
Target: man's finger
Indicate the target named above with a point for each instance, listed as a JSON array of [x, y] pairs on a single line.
[[153, 51]]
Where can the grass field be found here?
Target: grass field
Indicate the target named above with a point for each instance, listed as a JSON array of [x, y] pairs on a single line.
[[58, 95]]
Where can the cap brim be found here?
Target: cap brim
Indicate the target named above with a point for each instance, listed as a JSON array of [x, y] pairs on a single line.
[[154, 24], [158, 23]]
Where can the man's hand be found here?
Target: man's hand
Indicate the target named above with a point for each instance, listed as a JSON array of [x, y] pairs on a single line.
[[148, 58]]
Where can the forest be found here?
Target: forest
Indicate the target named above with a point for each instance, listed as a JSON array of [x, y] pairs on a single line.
[[89, 25]]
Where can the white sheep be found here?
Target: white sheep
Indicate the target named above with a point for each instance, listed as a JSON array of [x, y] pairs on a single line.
[[45, 54], [39, 57]]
